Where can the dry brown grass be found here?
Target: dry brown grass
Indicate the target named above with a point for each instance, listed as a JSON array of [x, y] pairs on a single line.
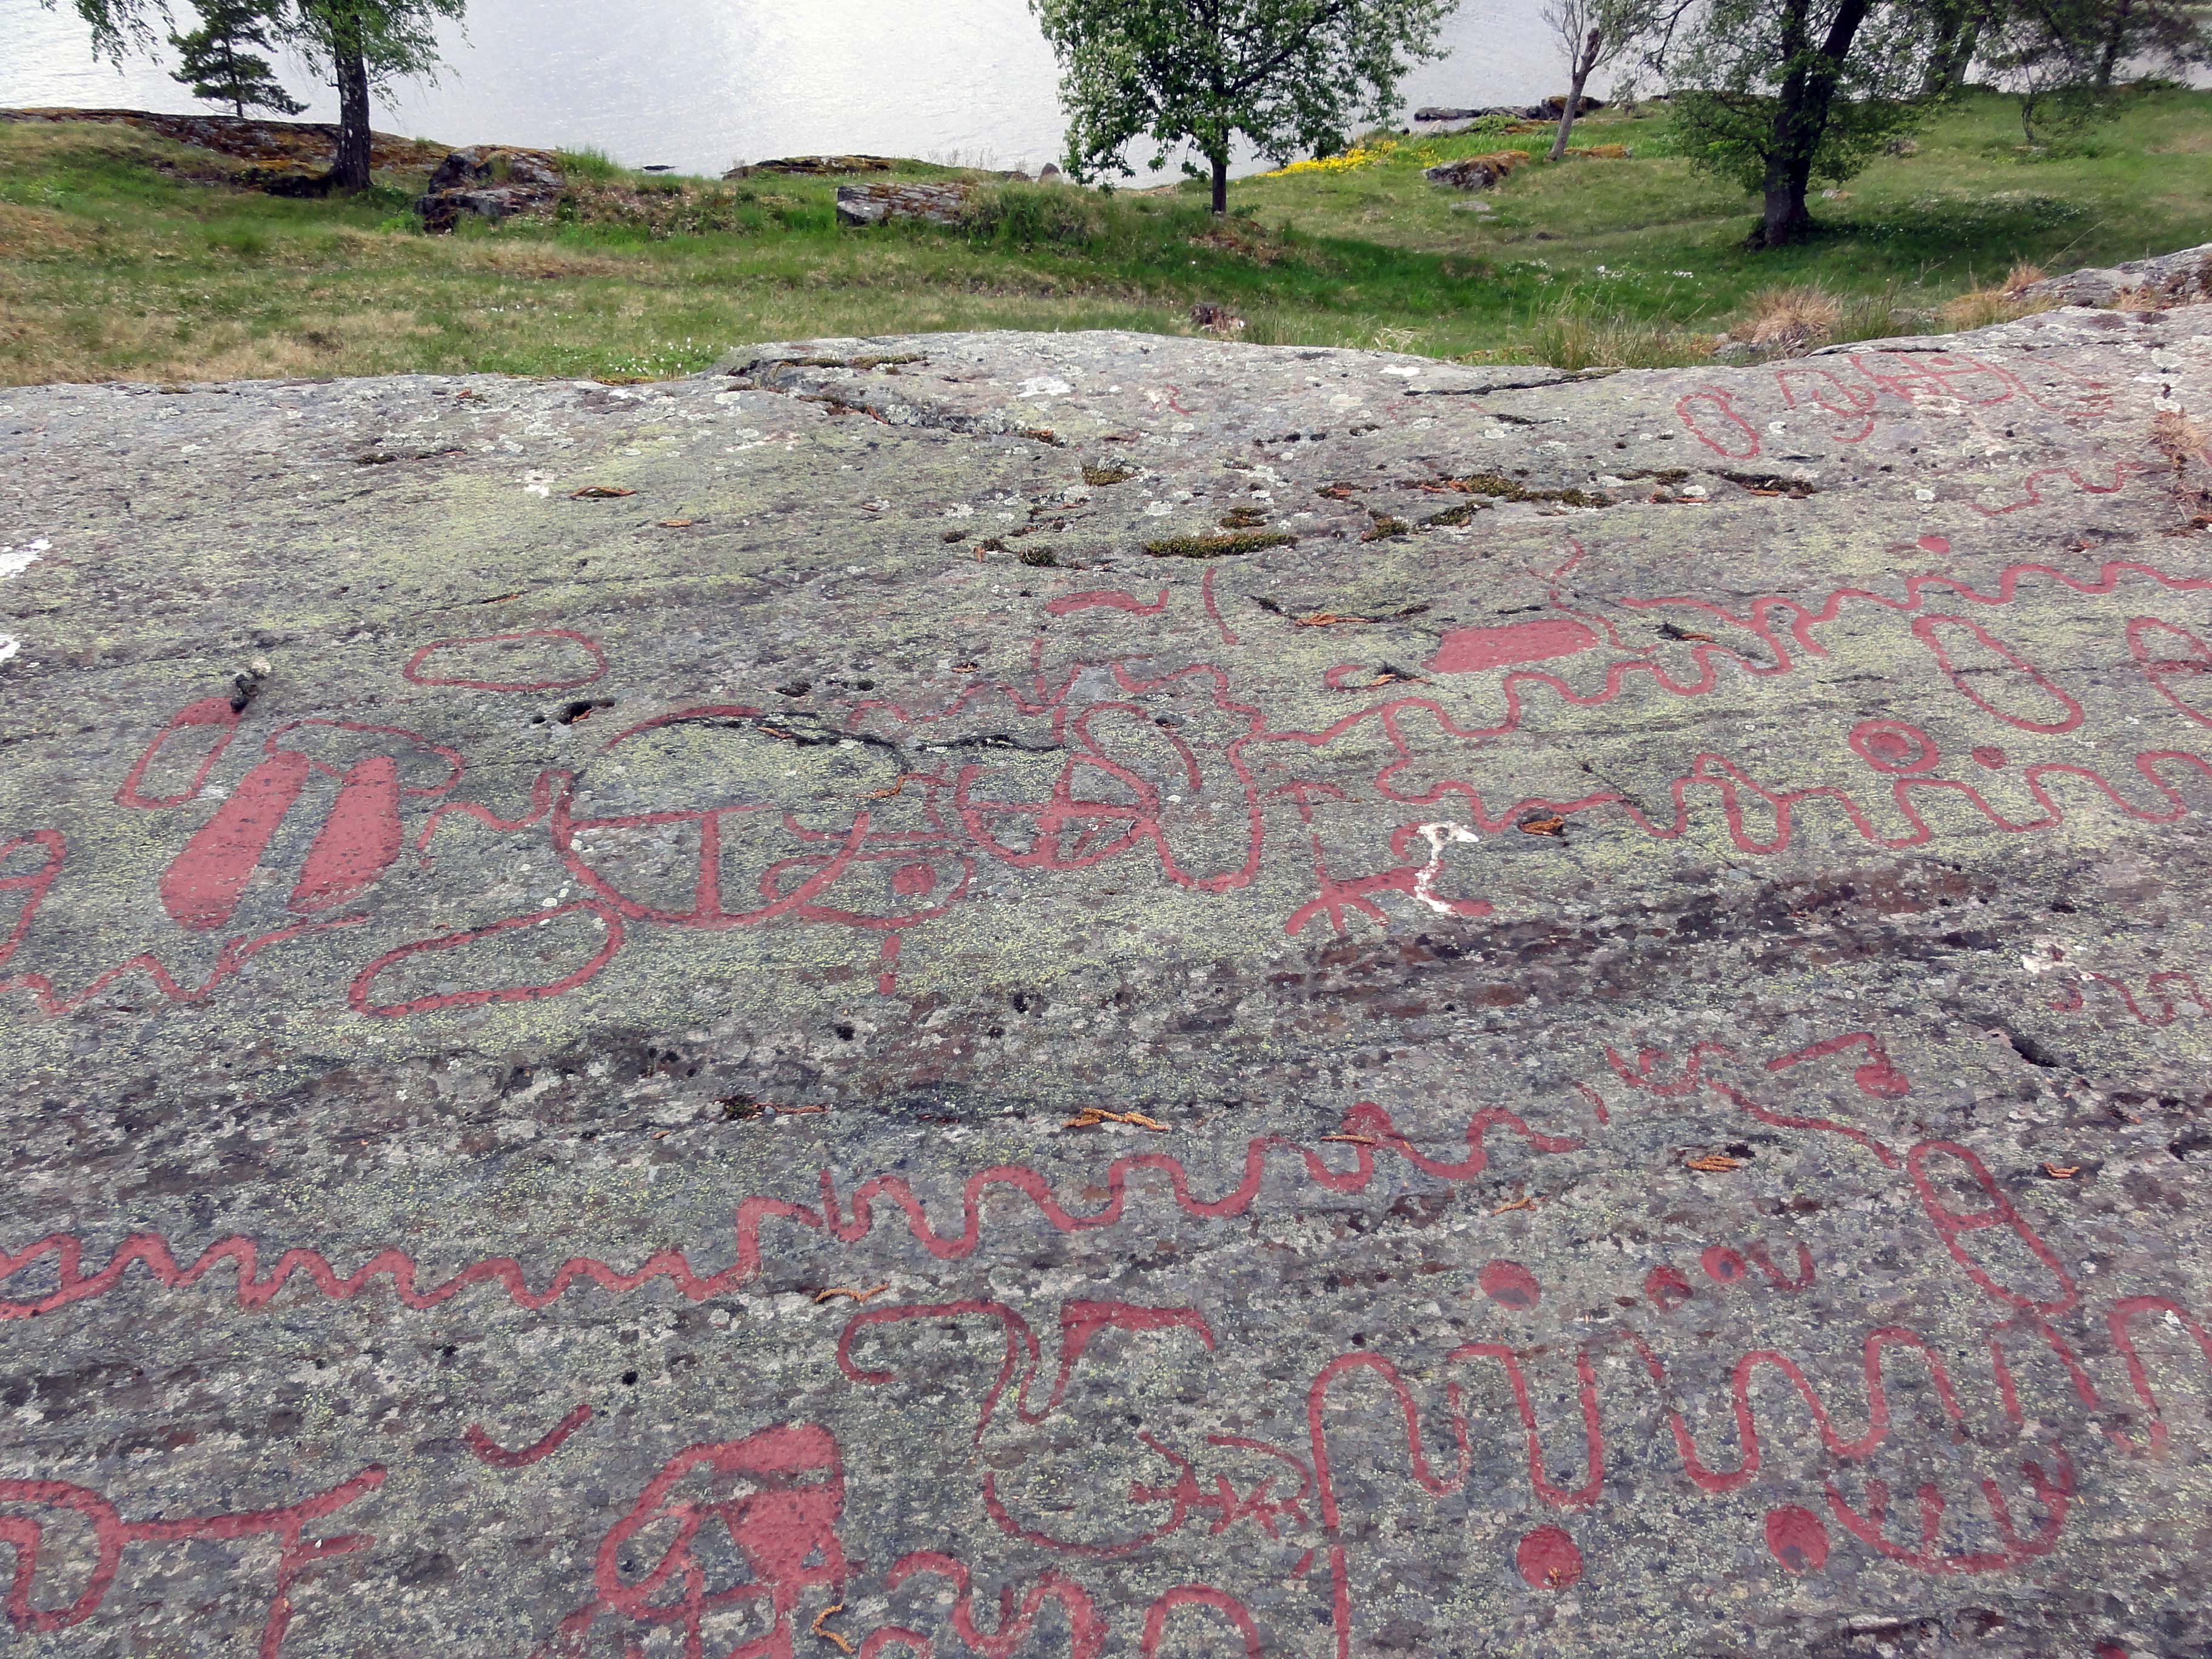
[[1795, 316], [1985, 306], [2184, 443], [2021, 278], [1577, 337], [29, 233]]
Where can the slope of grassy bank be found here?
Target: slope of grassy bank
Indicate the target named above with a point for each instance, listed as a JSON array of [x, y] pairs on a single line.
[[123, 256]]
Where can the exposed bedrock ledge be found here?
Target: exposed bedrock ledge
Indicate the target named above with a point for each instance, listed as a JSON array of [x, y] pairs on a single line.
[[1279, 1002]]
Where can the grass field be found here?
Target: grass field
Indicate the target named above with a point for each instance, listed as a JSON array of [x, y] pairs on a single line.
[[123, 256]]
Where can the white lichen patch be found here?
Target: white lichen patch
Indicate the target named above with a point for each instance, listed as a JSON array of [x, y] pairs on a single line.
[[14, 560]]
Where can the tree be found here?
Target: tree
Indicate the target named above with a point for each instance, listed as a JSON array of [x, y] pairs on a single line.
[[362, 44], [1290, 75], [2046, 53], [2167, 35], [1780, 93], [220, 64], [1593, 32]]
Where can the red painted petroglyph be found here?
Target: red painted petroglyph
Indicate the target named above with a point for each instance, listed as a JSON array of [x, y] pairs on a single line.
[[1374, 1130], [1112, 598], [1475, 650], [746, 1535], [2163, 992], [485, 1449], [1169, 766], [1876, 384], [784, 1530], [212, 720], [586, 663], [24, 1533], [2176, 662]]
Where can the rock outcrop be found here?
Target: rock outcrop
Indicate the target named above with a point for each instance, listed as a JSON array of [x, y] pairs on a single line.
[[281, 150], [1548, 109], [814, 166], [944, 204], [2167, 279], [1104, 995], [492, 182], [1476, 172]]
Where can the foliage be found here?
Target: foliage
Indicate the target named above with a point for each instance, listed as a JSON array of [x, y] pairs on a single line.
[[1593, 33], [2046, 52], [1028, 215], [1780, 93], [220, 63], [586, 163], [1286, 76], [1365, 153], [362, 44], [1582, 333], [2168, 37], [394, 39]]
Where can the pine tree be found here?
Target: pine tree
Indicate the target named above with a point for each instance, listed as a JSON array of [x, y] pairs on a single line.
[[362, 44], [221, 64]]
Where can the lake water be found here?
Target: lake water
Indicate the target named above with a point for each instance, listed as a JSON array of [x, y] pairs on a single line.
[[701, 83]]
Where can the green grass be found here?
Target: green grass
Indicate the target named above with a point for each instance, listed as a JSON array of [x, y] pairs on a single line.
[[125, 257]]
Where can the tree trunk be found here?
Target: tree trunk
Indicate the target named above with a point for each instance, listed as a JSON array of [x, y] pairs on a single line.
[[354, 152], [2115, 32], [1948, 64], [1801, 118], [1220, 186], [1567, 115]]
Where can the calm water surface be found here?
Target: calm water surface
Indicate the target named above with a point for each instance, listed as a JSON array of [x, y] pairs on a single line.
[[703, 83]]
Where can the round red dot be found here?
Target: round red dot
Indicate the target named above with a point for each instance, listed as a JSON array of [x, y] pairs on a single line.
[[1989, 757], [1548, 1560], [1934, 545], [1796, 1539], [1511, 1285], [1666, 1288], [1722, 1266], [912, 880]]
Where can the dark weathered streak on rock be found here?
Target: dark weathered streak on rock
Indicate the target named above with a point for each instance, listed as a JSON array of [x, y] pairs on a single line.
[[720, 1018]]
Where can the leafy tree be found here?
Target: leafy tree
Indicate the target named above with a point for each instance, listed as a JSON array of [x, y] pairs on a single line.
[[1593, 33], [362, 44], [1780, 93], [2167, 35], [220, 63], [1290, 75], [2046, 53]]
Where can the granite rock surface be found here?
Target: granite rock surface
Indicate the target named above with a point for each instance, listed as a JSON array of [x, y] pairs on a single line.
[[1081, 995], [2164, 279]]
